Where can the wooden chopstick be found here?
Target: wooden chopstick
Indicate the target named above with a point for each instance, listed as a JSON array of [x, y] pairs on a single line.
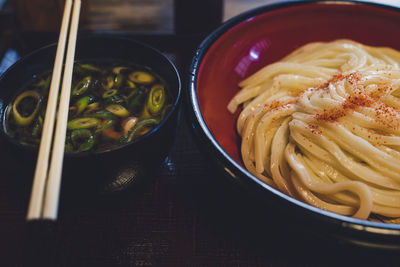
[[39, 182], [46, 185], [54, 181]]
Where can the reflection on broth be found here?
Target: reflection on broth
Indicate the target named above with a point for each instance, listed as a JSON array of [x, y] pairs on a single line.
[[111, 105]]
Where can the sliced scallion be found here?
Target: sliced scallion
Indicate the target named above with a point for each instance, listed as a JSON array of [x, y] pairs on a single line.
[[25, 107], [83, 123]]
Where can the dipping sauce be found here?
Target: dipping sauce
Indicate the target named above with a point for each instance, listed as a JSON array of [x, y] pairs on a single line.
[[111, 105]]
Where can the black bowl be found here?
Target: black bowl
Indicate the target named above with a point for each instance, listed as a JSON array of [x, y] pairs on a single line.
[[117, 168]]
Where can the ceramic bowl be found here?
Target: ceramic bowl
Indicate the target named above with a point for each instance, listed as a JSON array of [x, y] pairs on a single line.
[[143, 154], [251, 40]]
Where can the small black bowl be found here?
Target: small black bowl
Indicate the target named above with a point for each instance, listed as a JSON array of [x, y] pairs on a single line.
[[107, 171]]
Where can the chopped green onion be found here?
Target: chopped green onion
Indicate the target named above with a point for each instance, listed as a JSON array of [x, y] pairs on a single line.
[[92, 107], [141, 77], [81, 104], [118, 110], [109, 93], [156, 99], [82, 139], [82, 86], [83, 123], [22, 109], [139, 126], [131, 84], [119, 78], [90, 67], [103, 115]]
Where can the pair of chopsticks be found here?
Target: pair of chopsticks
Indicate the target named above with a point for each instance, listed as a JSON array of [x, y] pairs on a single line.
[[47, 179]]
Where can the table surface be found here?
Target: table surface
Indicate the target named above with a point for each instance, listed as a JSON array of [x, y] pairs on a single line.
[[188, 214]]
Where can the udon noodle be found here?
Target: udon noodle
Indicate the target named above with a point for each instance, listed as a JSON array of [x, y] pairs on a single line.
[[323, 126]]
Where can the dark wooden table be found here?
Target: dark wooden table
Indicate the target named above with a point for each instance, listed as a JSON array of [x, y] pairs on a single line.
[[186, 215]]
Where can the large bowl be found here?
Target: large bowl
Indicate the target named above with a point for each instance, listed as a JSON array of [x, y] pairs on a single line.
[[118, 167], [243, 45]]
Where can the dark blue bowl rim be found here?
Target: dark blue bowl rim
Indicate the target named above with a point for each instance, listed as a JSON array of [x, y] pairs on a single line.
[[224, 159], [109, 38]]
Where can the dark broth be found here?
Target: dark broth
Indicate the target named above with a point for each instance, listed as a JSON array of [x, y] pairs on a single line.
[[111, 105]]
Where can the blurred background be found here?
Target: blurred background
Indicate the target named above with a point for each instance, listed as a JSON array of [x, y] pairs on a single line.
[[150, 16], [22, 18], [138, 16]]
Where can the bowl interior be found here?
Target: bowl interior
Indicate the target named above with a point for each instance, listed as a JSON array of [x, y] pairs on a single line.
[[90, 48], [248, 42]]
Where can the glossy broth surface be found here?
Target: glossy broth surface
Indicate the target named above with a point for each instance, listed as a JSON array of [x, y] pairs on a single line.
[[111, 105]]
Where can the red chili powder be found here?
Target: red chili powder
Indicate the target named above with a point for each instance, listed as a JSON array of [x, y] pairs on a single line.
[[384, 114]]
